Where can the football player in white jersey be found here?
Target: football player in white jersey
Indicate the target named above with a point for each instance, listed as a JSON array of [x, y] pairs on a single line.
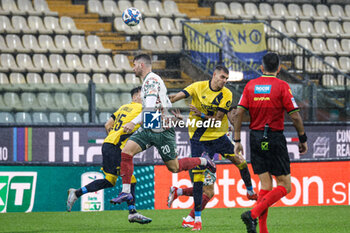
[[155, 102]]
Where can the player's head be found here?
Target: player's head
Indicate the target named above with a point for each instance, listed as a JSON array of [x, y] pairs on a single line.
[[142, 65], [136, 94], [270, 63], [220, 77]]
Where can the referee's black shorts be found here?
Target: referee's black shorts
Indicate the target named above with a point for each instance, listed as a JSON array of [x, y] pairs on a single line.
[[275, 160]]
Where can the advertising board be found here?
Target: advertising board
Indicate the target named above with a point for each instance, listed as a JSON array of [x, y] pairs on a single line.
[[82, 145]]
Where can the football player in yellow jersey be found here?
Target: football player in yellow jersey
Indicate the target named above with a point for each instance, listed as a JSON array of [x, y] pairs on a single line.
[[211, 100], [111, 154]]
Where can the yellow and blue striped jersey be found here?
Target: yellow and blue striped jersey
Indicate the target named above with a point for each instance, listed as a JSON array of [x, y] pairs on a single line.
[[208, 102], [123, 115]]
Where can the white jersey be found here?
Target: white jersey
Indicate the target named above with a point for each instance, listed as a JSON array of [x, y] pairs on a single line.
[[153, 85]]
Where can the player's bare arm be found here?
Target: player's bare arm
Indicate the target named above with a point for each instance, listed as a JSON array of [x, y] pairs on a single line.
[[109, 125], [237, 124], [129, 127], [298, 124], [176, 97]]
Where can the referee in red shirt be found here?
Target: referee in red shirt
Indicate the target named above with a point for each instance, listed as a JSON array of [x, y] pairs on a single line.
[[267, 98]]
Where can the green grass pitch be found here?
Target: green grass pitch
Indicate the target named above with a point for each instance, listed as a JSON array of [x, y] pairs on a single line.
[[325, 219]]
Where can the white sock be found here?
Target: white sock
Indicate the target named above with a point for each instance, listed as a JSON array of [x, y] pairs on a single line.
[[126, 188], [189, 219], [203, 161], [179, 192], [197, 218]]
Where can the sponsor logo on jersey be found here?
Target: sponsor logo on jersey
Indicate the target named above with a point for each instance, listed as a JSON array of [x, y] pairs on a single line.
[[262, 89]]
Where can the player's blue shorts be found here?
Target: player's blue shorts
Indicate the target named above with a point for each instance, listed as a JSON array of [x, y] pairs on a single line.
[[222, 145]]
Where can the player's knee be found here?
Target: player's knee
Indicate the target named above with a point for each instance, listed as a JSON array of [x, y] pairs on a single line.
[[173, 166], [288, 188], [209, 190], [286, 185], [173, 169], [127, 150]]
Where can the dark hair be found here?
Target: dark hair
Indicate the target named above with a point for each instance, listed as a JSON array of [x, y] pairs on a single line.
[[232, 107], [144, 57], [221, 67], [271, 62], [135, 91]]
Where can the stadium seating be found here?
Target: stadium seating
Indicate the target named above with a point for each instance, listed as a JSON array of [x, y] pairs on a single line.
[[23, 118], [100, 103], [104, 117], [41, 6], [4, 107], [106, 62], [56, 118], [170, 7], [90, 62], [40, 117], [6, 118], [153, 26], [80, 102], [3, 46], [96, 7], [124, 4], [80, 43], [73, 118], [168, 26], [149, 43], [94, 43], [35, 82], [145, 10], [12, 99], [15, 43], [131, 78], [47, 51], [46, 100], [102, 83], [113, 100], [11, 6], [156, 7], [24, 61], [62, 42], [122, 61], [68, 24], [36, 23], [51, 82], [73, 61], [20, 23], [111, 8], [29, 99], [31, 42]]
